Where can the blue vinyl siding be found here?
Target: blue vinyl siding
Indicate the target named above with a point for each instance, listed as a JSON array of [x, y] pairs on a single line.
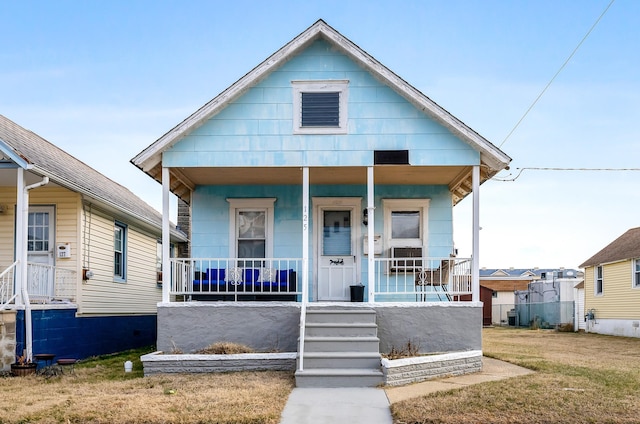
[[257, 128], [61, 332]]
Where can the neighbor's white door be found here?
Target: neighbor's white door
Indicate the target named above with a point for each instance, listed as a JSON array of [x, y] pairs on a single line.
[[336, 252], [40, 250]]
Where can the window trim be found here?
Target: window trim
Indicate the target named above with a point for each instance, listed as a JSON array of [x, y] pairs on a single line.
[[635, 274], [120, 278], [320, 86], [399, 205], [595, 280], [251, 204]]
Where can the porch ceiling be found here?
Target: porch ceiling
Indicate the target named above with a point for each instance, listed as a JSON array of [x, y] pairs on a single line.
[[457, 178]]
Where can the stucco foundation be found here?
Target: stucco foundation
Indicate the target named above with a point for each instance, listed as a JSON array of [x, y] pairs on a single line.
[[274, 326]]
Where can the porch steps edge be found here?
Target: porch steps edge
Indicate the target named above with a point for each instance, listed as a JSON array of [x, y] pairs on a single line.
[[339, 377]]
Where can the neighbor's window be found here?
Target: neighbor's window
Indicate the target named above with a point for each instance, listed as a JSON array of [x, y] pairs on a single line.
[[119, 251], [636, 273], [320, 107], [598, 280]]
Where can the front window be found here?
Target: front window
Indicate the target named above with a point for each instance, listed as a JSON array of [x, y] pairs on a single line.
[[119, 251], [320, 107], [405, 222], [252, 225], [599, 281], [636, 273]]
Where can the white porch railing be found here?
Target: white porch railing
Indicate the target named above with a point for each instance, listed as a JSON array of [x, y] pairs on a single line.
[[422, 279], [7, 284], [236, 278], [396, 279], [46, 282]]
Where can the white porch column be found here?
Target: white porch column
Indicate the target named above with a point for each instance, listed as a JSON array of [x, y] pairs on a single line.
[[305, 235], [166, 239], [371, 265], [475, 259], [19, 230]]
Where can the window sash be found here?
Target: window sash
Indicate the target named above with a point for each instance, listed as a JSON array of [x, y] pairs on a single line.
[[119, 251], [599, 281]]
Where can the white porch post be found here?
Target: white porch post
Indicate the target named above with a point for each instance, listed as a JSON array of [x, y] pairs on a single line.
[[305, 235], [475, 260], [371, 277], [166, 240], [20, 246]]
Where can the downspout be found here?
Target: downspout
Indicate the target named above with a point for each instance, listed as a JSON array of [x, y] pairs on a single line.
[[23, 266]]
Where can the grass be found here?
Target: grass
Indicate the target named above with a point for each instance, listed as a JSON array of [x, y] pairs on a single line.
[[101, 392], [580, 378]]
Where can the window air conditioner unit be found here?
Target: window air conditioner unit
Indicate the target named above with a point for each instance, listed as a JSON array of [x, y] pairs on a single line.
[[403, 259]]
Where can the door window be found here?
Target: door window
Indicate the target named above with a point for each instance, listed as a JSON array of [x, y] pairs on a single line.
[[336, 234]]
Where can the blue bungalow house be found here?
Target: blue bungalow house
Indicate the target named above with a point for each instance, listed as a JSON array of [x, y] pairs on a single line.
[[318, 180]]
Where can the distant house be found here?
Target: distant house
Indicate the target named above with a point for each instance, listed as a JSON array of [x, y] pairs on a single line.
[[318, 180], [79, 254], [503, 284], [533, 296], [612, 287]]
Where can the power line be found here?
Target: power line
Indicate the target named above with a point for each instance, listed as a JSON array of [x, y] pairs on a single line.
[[557, 73], [521, 170]]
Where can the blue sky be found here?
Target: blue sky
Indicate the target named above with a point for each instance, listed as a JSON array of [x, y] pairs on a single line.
[[104, 79]]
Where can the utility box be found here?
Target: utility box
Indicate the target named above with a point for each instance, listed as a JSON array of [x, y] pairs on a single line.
[[377, 245]]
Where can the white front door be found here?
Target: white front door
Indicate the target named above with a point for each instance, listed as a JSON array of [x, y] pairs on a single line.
[[336, 249]]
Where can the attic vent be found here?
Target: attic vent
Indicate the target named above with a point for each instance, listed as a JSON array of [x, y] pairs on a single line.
[[391, 157], [321, 109]]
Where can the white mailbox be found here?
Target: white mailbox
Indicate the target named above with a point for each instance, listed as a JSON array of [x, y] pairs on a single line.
[[63, 250], [377, 245]]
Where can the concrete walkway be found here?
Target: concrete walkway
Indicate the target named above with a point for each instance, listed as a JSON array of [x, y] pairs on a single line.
[[371, 405]]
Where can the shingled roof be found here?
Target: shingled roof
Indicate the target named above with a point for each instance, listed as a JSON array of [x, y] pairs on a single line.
[[627, 246], [65, 170]]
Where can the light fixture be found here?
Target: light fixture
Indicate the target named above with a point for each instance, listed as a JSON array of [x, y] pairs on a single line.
[[365, 217]]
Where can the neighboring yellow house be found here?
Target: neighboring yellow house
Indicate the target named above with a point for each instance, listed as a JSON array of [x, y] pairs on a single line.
[[90, 267], [612, 287]]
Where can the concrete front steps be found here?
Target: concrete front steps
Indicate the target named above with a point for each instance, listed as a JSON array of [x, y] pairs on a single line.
[[341, 349]]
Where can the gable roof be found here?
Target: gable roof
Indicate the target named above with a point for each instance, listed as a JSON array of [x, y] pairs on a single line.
[[42, 157], [627, 246], [493, 159]]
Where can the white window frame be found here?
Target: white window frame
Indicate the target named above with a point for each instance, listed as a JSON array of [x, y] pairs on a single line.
[[635, 273], [251, 204], [595, 281], [407, 205], [123, 227], [320, 86]]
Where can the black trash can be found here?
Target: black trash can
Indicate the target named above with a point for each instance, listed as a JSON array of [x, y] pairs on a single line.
[[357, 293]]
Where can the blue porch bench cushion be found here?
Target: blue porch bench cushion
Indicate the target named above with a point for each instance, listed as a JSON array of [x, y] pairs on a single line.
[[215, 280]]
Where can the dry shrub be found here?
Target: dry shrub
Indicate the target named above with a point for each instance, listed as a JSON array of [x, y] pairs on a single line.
[[407, 351], [225, 348]]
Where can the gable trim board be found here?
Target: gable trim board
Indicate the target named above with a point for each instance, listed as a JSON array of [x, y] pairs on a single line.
[[493, 159]]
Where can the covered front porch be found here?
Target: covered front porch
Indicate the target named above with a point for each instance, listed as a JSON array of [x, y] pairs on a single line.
[[324, 203]]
